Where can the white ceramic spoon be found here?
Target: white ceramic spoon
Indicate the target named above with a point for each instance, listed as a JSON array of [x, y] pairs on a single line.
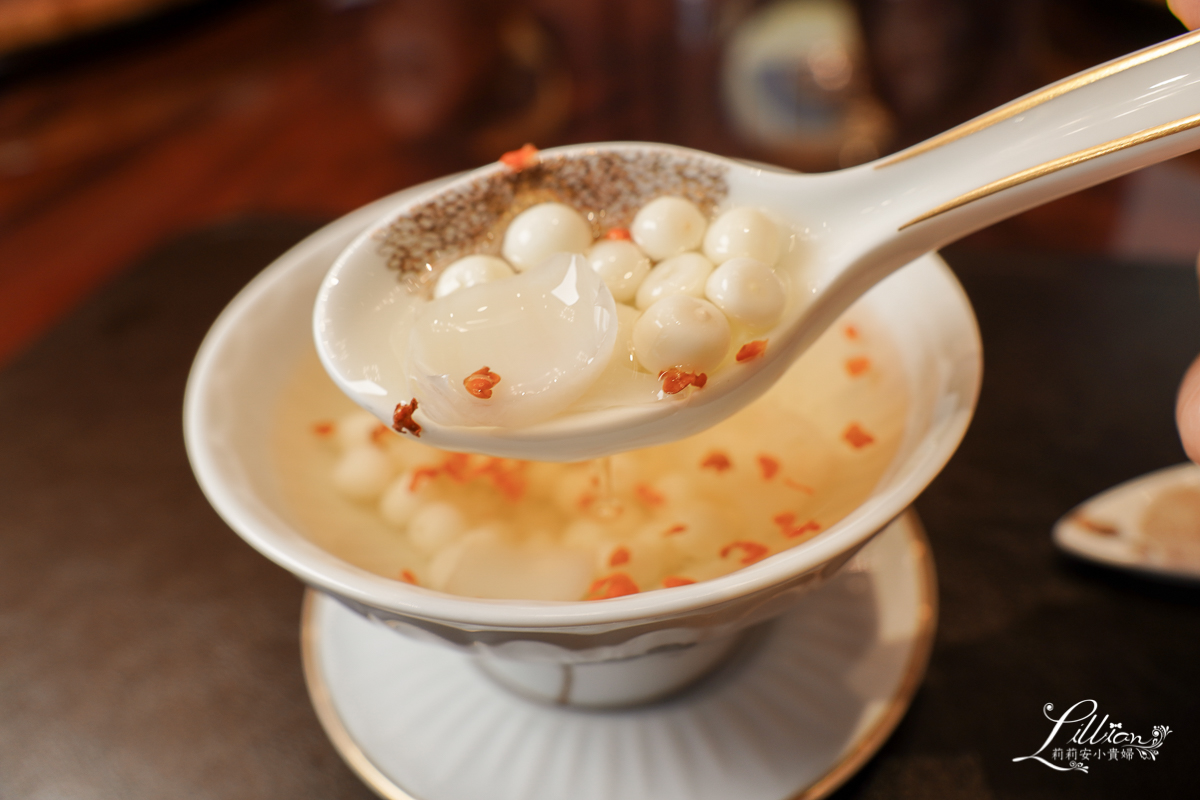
[[850, 230]]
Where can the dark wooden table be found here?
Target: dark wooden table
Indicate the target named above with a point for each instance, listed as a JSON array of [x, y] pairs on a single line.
[[146, 652]]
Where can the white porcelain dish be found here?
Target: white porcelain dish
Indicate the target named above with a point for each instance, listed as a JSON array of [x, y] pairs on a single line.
[[1126, 526], [244, 361]]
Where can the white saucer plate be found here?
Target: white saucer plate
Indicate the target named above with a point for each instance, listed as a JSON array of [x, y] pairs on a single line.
[[807, 701], [1112, 527]]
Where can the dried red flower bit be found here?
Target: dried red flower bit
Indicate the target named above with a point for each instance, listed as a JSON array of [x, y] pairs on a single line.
[[716, 460], [751, 551], [811, 526], [788, 527], [480, 382], [671, 581], [510, 485], [522, 158], [407, 576], [857, 437], [505, 476], [619, 556], [619, 234], [851, 332], [675, 380], [769, 466], [617, 584], [379, 434], [677, 528], [323, 428], [422, 474], [646, 493], [402, 418], [751, 350], [457, 466], [858, 365], [799, 487]]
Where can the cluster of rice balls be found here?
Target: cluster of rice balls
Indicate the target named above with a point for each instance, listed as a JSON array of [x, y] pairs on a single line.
[[689, 279], [507, 529]]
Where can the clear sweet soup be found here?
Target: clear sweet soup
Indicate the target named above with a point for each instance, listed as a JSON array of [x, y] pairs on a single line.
[[774, 475]]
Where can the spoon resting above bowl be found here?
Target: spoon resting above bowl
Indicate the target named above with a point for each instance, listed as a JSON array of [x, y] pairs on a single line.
[[537, 359]]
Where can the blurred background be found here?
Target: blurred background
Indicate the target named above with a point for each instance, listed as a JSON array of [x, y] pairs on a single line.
[[124, 123]]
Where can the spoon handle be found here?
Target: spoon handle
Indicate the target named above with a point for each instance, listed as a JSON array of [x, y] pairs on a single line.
[[1086, 129]]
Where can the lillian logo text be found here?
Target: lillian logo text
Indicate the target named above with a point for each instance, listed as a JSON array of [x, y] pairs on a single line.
[[1079, 736]]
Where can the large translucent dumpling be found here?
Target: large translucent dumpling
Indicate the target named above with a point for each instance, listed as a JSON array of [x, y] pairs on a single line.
[[547, 334]]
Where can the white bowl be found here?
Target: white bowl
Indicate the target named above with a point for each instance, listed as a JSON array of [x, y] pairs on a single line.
[[255, 344]]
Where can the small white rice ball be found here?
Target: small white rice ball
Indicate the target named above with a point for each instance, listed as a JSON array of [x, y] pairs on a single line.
[[540, 477], [683, 274], [470, 271], [355, 428], [363, 472], [576, 490], [622, 354], [668, 226], [445, 562], [399, 502], [408, 453], [748, 291], [681, 331], [742, 232], [584, 533], [621, 265], [541, 231], [434, 526], [488, 567]]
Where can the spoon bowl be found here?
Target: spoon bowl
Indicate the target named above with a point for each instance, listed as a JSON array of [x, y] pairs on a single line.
[[844, 232]]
